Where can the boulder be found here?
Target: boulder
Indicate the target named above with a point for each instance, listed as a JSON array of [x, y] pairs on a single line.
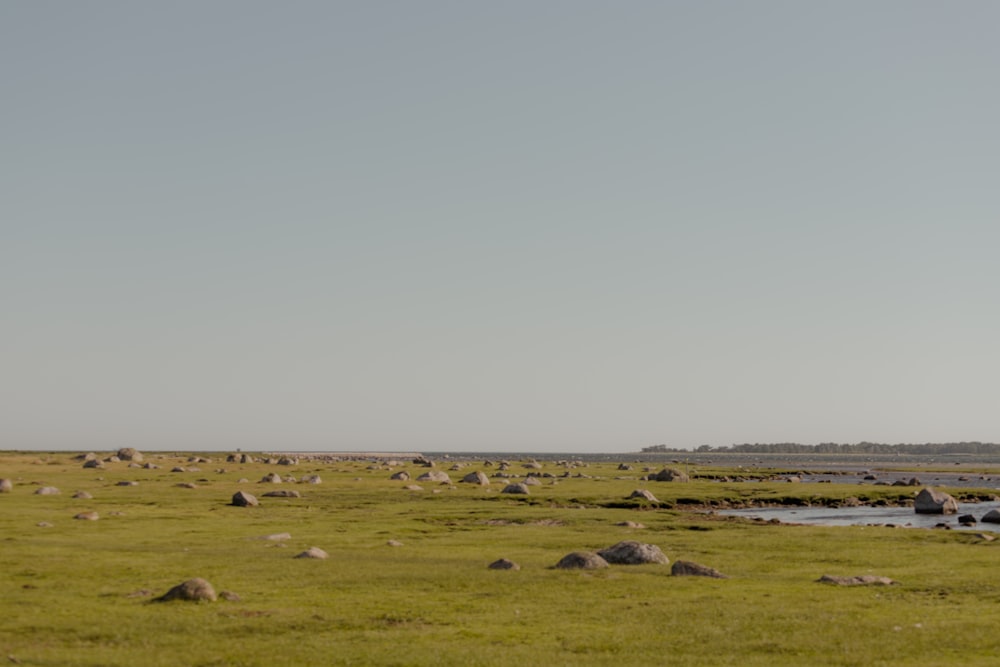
[[521, 489], [284, 493], [82, 495], [127, 482], [93, 463], [401, 476], [193, 590], [271, 478], [581, 560], [439, 476], [504, 564], [130, 454], [413, 487], [685, 568], [670, 475], [993, 516], [631, 552], [6, 485], [967, 520], [477, 477], [244, 499], [630, 524], [313, 552], [311, 479], [645, 494], [87, 516], [861, 580], [932, 501], [47, 491], [532, 481]]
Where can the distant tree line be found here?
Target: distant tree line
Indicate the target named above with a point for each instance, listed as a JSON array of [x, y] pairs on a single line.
[[842, 448]]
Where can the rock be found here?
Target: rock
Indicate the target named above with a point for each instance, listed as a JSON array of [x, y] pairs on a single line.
[[284, 493], [130, 454], [314, 552], [6, 485], [967, 520], [127, 483], [151, 466], [477, 477], [793, 479], [993, 516], [581, 560], [394, 543], [311, 479], [645, 494], [194, 590], [670, 475], [519, 488], [624, 466], [244, 499], [87, 516], [277, 537], [439, 476], [186, 485], [401, 476], [229, 596], [413, 487], [532, 481], [93, 463], [685, 568], [862, 580], [47, 491], [630, 524], [631, 552], [82, 495], [932, 501], [43, 524], [178, 469], [271, 478], [504, 564]]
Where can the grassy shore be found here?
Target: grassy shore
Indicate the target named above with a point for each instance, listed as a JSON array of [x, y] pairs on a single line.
[[78, 592]]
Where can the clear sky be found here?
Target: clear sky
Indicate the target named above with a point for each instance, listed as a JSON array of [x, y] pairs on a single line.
[[529, 225]]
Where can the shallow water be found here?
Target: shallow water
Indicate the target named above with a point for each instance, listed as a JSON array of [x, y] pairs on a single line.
[[866, 516]]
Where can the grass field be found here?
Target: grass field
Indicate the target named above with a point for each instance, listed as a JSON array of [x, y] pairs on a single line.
[[79, 592]]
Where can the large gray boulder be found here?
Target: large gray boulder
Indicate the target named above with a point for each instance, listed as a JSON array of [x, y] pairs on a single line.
[[581, 560], [932, 501], [670, 475], [129, 454], [193, 590], [517, 489], [993, 516], [477, 477], [439, 476], [631, 552], [401, 476], [244, 499]]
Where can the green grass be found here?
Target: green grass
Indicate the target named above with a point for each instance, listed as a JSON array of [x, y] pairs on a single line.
[[70, 591]]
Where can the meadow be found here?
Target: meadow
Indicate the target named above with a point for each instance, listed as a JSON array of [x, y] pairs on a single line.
[[407, 582]]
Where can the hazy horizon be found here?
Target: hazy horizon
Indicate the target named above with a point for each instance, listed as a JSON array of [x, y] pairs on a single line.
[[549, 226]]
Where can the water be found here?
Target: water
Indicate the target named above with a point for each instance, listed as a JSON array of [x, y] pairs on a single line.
[[866, 516]]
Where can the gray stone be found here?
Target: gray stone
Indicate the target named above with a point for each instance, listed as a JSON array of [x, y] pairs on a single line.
[[581, 560], [87, 516], [284, 493], [192, 590], [439, 476], [520, 489], [47, 491], [314, 552], [130, 454], [685, 568], [6, 485], [645, 494], [993, 516], [932, 501], [670, 475], [271, 478], [244, 499], [93, 463], [401, 476], [477, 477], [82, 495], [630, 552], [504, 564]]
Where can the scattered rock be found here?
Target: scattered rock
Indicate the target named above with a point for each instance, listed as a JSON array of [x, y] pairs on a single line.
[[6, 485], [127, 483], [932, 501], [439, 476], [861, 580], [82, 495], [401, 476], [187, 485], [87, 516], [504, 564], [314, 552], [631, 552], [685, 568], [271, 478], [967, 520], [244, 499], [284, 493], [43, 524], [581, 560], [532, 481], [519, 488], [47, 491], [277, 537], [630, 524], [477, 477], [130, 454], [643, 493], [413, 487], [993, 516], [394, 543], [194, 590], [93, 463], [670, 475], [229, 596], [312, 479]]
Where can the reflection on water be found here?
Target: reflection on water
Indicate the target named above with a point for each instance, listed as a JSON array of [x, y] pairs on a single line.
[[864, 516]]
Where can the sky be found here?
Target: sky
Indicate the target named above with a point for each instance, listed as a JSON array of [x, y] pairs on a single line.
[[525, 226]]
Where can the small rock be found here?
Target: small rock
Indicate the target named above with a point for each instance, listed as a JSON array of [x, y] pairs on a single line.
[[284, 493], [394, 543], [684, 568], [47, 491], [314, 552], [630, 552], [6, 485], [277, 537], [581, 560], [194, 590], [861, 580], [244, 499], [82, 495], [519, 489], [645, 494], [87, 516], [229, 596], [504, 564]]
